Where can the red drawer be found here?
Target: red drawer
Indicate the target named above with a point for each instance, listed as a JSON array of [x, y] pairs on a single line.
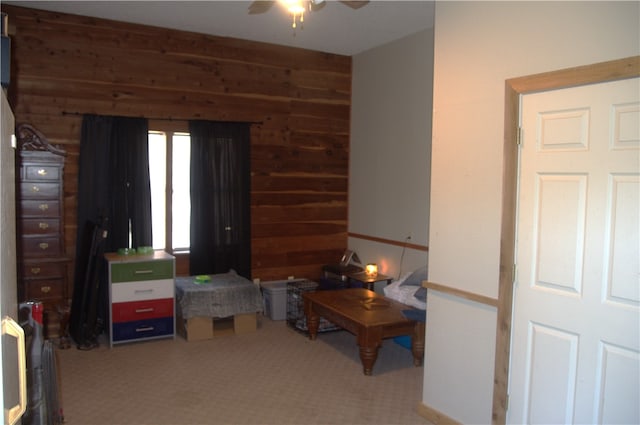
[[141, 310]]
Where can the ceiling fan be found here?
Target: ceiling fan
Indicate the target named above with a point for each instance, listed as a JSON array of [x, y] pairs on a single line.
[[262, 6], [298, 7]]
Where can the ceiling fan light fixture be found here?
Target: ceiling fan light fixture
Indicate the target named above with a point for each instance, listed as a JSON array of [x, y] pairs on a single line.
[[293, 6], [296, 9]]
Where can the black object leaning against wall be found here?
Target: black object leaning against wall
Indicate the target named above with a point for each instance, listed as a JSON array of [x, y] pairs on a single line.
[[85, 323]]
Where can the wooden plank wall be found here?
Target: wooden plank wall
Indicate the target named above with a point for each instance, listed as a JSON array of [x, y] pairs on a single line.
[[301, 99]]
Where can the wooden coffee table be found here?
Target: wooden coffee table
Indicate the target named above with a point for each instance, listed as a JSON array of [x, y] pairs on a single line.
[[369, 316]]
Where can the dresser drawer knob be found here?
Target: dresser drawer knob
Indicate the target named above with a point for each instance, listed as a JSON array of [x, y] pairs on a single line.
[[43, 207], [35, 189], [35, 270], [144, 271], [43, 245], [43, 226], [42, 172], [144, 329], [45, 289]]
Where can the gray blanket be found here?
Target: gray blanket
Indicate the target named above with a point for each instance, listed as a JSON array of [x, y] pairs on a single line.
[[227, 294]]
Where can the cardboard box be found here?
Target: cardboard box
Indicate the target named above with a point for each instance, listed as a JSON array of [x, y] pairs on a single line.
[[202, 328], [245, 323], [196, 328]]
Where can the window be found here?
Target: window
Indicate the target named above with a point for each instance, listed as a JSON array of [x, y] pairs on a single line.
[[169, 161]]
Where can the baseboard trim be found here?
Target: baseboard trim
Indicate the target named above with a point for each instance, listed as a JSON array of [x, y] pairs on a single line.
[[433, 416]]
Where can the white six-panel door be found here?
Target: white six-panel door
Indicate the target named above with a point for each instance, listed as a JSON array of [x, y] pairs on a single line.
[[576, 323]]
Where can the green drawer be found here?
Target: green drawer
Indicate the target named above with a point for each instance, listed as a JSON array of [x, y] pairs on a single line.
[[143, 270]]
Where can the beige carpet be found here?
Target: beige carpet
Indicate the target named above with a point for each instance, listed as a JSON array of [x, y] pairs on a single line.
[[272, 376]]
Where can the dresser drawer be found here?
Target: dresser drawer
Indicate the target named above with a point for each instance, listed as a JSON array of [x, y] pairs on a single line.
[[43, 208], [41, 172], [38, 190], [142, 329], [37, 270], [141, 270], [40, 226], [41, 246], [140, 291], [141, 310], [43, 289]]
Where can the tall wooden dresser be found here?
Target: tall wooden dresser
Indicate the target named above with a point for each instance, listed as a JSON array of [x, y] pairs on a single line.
[[42, 265]]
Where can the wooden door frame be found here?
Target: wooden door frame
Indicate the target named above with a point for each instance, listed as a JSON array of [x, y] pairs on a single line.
[[588, 74]]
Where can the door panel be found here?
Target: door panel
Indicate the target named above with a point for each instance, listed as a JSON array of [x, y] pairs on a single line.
[[560, 209], [622, 258], [576, 321], [616, 366], [551, 394]]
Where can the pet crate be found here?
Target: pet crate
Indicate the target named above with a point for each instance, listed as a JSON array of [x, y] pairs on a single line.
[[296, 318]]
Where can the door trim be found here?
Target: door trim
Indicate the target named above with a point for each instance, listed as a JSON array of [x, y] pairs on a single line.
[[582, 75]]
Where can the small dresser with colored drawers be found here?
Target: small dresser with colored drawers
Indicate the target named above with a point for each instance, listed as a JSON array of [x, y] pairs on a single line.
[[141, 297]]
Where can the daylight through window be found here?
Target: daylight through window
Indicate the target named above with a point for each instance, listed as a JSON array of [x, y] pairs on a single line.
[[169, 159]]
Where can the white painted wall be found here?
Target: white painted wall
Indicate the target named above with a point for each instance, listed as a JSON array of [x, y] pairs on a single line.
[[390, 151], [478, 45], [8, 268]]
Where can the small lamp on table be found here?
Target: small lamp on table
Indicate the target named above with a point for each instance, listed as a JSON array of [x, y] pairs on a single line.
[[371, 270]]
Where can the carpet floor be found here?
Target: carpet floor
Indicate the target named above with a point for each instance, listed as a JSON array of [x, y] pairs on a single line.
[[272, 376]]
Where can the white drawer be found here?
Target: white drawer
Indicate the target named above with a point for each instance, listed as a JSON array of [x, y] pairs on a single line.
[[143, 290]]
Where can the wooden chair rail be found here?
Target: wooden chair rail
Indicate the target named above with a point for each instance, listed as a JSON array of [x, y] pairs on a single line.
[[389, 241], [460, 293]]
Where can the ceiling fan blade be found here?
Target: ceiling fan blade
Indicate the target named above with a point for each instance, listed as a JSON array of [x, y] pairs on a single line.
[[355, 4], [260, 6], [316, 5]]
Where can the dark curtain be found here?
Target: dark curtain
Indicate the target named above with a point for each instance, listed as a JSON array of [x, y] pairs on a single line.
[[220, 203], [130, 203], [114, 198], [113, 179], [93, 169]]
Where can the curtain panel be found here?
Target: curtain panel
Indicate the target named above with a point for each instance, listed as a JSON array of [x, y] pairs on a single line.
[[113, 179], [113, 195], [220, 198]]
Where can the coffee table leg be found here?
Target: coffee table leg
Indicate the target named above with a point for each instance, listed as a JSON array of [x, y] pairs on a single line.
[[417, 344], [369, 341], [368, 356]]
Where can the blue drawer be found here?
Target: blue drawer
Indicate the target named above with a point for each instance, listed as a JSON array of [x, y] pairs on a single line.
[[143, 329]]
